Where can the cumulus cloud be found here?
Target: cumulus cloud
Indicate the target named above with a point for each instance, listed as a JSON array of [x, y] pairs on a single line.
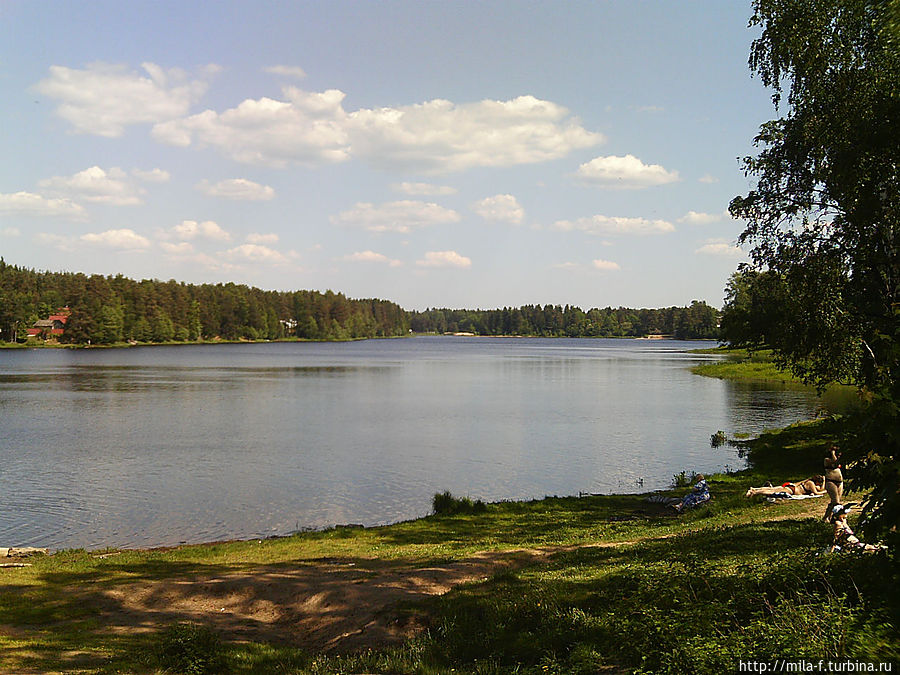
[[444, 259], [708, 178], [180, 249], [256, 238], [152, 176], [605, 265], [720, 247], [30, 204], [401, 216], [601, 225], [698, 218], [97, 185], [500, 208], [189, 230], [286, 71], [103, 99], [624, 173], [255, 253], [440, 136], [307, 128], [371, 257], [424, 189], [237, 189], [436, 136], [10, 232], [125, 239]]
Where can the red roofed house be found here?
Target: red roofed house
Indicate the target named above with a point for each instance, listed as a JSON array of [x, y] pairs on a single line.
[[51, 327]]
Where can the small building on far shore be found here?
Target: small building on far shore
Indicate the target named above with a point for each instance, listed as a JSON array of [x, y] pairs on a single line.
[[51, 327]]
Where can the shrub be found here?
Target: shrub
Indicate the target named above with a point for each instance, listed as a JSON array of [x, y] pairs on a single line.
[[445, 504], [190, 649]]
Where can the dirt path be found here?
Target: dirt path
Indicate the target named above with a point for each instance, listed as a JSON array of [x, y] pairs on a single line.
[[322, 605]]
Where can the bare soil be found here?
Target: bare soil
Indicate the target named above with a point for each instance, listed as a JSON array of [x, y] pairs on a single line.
[[325, 605], [320, 605]]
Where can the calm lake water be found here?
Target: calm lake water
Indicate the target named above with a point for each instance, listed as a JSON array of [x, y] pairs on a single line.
[[160, 445]]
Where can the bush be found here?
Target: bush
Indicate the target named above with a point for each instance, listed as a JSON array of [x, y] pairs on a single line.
[[445, 504], [190, 649]]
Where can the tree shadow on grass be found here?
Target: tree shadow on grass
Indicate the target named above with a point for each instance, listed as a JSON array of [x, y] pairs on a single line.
[[94, 617]]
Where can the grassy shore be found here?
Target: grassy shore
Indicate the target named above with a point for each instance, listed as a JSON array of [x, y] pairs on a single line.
[[758, 366], [565, 585]]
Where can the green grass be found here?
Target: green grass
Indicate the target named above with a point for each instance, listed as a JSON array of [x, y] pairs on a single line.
[[630, 587], [758, 366]]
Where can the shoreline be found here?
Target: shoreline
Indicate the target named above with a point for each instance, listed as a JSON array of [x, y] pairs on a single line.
[[591, 582], [129, 345]]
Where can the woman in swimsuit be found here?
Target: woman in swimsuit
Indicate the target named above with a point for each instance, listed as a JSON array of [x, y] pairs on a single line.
[[814, 485], [834, 480]]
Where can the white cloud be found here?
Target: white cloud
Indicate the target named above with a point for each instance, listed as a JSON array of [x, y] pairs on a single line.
[[122, 239], [501, 208], [30, 204], [96, 185], [286, 71], [424, 189], [373, 257], [103, 98], [708, 178], [238, 189], [605, 265], [308, 128], [440, 136], [566, 266], [698, 218], [436, 136], [189, 230], [444, 259], [152, 176], [255, 253], [600, 225], [179, 249], [720, 247], [624, 173], [401, 216], [256, 238], [10, 232]]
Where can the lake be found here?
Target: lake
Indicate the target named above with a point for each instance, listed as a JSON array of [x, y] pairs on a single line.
[[155, 446]]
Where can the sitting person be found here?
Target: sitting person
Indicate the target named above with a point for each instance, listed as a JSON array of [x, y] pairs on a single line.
[[844, 539], [814, 485], [698, 495]]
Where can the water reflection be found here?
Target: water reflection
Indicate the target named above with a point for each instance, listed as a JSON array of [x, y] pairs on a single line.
[[157, 446]]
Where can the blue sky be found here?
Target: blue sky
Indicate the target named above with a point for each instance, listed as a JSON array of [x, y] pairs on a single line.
[[451, 154]]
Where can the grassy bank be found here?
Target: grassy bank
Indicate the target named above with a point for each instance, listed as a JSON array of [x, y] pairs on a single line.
[[758, 366], [585, 584]]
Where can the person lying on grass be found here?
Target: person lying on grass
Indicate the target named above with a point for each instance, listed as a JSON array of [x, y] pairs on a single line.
[[844, 539], [814, 485], [698, 495]]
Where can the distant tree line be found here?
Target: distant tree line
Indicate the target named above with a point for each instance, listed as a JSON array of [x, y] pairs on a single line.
[[106, 310], [698, 321], [112, 309]]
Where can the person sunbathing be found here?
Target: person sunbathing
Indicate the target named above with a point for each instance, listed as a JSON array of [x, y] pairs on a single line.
[[844, 538], [814, 485], [698, 495]]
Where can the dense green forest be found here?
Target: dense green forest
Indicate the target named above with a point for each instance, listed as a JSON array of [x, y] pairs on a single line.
[[109, 310], [698, 321]]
